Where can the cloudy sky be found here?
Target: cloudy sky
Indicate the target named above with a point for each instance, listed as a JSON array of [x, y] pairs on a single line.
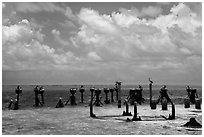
[[99, 43]]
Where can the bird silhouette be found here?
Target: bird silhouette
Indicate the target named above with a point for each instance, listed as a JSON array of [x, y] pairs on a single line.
[[150, 81]]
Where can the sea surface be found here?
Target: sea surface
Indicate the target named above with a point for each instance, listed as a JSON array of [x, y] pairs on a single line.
[[53, 92]]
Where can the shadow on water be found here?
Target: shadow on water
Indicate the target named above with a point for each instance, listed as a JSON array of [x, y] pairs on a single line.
[[119, 117]]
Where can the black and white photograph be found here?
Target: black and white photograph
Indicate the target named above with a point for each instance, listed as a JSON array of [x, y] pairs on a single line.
[[101, 68]]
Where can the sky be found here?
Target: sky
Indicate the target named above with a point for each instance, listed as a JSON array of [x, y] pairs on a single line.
[[100, 43]]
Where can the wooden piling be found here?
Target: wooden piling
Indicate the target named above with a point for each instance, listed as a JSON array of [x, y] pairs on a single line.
[[197, 104], [119, 94], [186, 103], [150, 97]]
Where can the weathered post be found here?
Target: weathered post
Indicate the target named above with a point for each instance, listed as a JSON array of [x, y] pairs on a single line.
[[106, 91], [91, 103], [36, 90], [10, 104], [41, 92], [197, 103], [187, 103], [173, 112], [150, 93], [72, 97], [135, 118], [116, 90], [119, 94], [60, 103], [126, 113], [18, 92], [132, 94], [97, 93], [16, 107], [164, 104], [111, 91], [154, 104], [82, 90]]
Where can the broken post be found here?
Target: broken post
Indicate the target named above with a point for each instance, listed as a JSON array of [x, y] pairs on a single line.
[[106, 91], [36, 90], [135, 118], [150, 91], [41, 92], [173, 114], [10, 104], [193, 123], [154, 104], [126, 113], [82, 90], [164, 104], [116, 90], [197, 103], [119, 94], [111, 91], [60, 103], [132, 93], [18, 92], [97, 101], [16, 107], [72, 97], [186, 103], [91, 103]]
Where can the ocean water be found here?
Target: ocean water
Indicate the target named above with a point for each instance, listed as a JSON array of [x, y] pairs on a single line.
[[52, 93], [174, 90]]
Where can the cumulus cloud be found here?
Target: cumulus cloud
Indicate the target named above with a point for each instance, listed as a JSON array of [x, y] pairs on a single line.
[[144, 41], [23, 49], [124, 43], [94, 20], [182, 16], [57, 37], [21, 31]]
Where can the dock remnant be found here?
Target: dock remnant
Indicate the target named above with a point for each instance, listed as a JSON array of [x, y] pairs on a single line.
[[118, 85], [193, 123], [126, 113], [106, 91], [91, 103], [135, 118]]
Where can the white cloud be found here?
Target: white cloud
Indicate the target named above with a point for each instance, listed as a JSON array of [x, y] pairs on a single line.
[[144, 41], [124, 20], [94, 20], [123, 43], [55, 32], [21, 31], [23, 49], [94, 56], [182, 16]]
